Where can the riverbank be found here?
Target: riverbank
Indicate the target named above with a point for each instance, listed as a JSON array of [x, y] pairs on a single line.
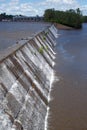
[[63, 27]]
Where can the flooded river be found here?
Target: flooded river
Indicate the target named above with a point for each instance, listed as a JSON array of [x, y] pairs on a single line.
[[12, 32], [68, 109], [69, 104]]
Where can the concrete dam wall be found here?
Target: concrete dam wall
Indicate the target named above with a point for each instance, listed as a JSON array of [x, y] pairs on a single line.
[[26, 75]]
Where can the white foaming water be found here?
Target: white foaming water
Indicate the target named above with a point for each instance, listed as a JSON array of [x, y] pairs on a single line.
[[49, 99], [49, 95], [54, 31], [51, 82], [46, 119]]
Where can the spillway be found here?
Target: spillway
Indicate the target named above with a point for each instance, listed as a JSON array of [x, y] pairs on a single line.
[[26, 76]]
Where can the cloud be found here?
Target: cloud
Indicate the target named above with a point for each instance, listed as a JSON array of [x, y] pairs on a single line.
[[15, 7], [34, 8], [84, 9], [61, 1], [53, 1], [59, 4], [69, 1]]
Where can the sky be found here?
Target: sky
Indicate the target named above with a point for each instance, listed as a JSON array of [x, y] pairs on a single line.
[[37, 7]]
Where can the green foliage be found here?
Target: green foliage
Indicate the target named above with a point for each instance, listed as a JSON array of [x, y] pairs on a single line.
[[72, 18], [46, 33], [4, 16], [41, 49], [46, 48], [84, 19], [49, 15], [44, 38]]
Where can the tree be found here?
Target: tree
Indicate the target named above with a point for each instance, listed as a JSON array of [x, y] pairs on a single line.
[[49, 15], [84, 19], [4, 16], [78, 11], [70, 17]]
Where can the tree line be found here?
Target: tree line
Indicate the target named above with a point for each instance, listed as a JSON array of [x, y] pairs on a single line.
[[85, 19], [72, 18], [5, 16]]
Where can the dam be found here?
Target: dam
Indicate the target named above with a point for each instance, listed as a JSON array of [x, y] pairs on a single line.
[[26, 76]]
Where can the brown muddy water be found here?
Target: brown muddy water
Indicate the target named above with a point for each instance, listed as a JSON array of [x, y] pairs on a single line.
[[68, 109], [12, 32]]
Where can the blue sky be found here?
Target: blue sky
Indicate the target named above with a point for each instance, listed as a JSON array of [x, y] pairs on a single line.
[[37, 7]]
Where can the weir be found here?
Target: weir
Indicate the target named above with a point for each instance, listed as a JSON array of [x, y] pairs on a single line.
[[26, 75]]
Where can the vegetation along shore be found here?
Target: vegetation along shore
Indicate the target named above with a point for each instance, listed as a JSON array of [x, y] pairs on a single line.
[[71, 18]]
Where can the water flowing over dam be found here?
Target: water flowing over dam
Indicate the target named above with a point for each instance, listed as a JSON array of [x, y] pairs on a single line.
[[26, 75]]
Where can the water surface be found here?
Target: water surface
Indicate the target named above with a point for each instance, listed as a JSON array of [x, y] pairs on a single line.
[[12, 32], [69, 106]]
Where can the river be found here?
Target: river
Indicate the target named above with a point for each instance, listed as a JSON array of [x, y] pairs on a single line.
[[68, 109], [12, 32], [69, 105]]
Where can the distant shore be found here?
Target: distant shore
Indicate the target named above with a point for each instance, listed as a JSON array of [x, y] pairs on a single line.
[[63, 27]]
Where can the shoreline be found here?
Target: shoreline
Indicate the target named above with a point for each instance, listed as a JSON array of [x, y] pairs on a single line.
[[63, 27]]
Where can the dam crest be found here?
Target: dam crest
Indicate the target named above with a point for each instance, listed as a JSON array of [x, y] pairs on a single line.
[[26, 77]]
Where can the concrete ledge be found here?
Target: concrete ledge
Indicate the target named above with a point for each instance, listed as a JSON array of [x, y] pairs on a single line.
[[4, 54], [7, 52]]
